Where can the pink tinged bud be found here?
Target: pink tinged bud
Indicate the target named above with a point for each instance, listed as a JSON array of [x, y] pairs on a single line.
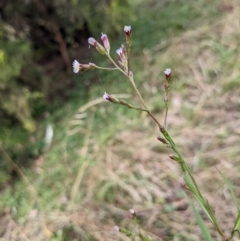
[[167, 72], [127, 30], [106, 42], [98, 46], [76, 66], [122, 54], [92, 41]]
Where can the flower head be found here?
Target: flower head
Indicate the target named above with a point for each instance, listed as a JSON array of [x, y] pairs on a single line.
[[116, 229], [110, 98], [82, 67], [167, 72], [76, 66], [132, 211], [127, 30], [106, 43], [106, 96], [128, 34]]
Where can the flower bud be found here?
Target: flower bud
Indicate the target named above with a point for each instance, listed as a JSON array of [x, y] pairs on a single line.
[[162, 140], [98, 46], [128, 34], [106, 42], [175, 158], [122, 54], [108, 97]]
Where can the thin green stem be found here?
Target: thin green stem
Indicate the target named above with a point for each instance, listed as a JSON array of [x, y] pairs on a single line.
[[166, 113], [114, 63], [103, 68], [131, 81]]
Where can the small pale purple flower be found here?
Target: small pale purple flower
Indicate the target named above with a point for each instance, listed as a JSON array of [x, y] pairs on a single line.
[[98, 46], [119, 51], [82, 67], [106, 96], [132, 211], [167, 72], [106, 43], [127, 30], [92, 41], [128, 34], [116, 229], [122, 54]]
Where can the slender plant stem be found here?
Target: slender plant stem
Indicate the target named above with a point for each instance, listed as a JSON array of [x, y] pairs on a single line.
[[166, 113], [114, 63], [98, 67]]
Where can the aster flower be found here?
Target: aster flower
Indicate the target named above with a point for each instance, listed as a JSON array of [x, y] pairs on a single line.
[[127, 30], [167, 72], [76, 66], [82, 67], [106, 96], [128, 34], [110, 98]]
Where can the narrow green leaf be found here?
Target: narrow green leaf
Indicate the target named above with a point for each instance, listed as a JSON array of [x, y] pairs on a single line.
[[201, 202], [230, 187], [236, 226], [190, 184], [206, 234]]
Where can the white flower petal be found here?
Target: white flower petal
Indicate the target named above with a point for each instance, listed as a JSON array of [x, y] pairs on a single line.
[[106, 96], [75, 66], [167, 71], [127, 28]]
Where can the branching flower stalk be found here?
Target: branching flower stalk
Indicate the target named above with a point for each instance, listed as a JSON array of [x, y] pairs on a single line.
[[124, 67]]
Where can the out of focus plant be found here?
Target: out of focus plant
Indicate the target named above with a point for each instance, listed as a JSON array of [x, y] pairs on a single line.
[[190, 184], [33, 34]]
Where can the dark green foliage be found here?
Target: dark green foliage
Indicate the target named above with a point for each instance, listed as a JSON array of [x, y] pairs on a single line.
[[38, 42]]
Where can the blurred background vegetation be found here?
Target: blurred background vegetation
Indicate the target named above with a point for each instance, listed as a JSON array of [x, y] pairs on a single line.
[[53, 190]]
